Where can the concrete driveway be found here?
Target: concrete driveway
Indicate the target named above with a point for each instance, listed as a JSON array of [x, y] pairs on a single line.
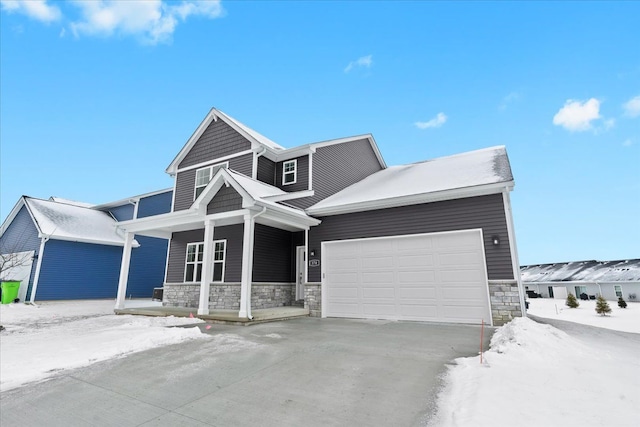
[[303, 372]]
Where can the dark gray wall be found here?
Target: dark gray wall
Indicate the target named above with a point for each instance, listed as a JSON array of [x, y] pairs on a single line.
[[302, 175], [485, 212], [178, 249], [266, 170], [226, 199], [218, 140], [186, 181], [272, 255], [338, 166]]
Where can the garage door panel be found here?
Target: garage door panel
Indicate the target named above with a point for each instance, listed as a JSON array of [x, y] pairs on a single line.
[[417, 293], [384, 292], [419, 312], [462, 293], [383, 246], [418, 277], [413, 244], [460, 276], [435, 277], [460, 258], [377, 262], [388, 310], [413, 260]]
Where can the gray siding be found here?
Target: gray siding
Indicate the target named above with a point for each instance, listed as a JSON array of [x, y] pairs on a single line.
[[186, 181], [218, 140], [338, 166], [226, 199], [485, 212], [272, 255], [242, 164], [302, 175], [266, 170], [178, 250]]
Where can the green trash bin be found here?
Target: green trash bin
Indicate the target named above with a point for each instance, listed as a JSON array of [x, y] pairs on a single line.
[[10, 290]]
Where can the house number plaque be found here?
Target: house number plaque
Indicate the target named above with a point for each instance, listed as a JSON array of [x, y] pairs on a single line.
[[314, 263]]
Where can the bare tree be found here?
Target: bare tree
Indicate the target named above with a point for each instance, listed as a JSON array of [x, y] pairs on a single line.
[[13, 260]]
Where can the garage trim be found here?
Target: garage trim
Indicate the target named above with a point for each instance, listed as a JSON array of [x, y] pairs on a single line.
[[434, 234]]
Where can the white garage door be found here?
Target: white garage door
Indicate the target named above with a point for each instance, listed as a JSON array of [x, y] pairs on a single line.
[[429, 277]]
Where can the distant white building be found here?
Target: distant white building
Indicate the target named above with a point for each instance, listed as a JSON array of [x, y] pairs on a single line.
[[611, 279]]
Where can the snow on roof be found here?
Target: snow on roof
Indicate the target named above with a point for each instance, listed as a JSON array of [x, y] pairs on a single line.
[[474, 168], [583, 271], [74, 223], [257, 136], [70, 202], [256, 189]]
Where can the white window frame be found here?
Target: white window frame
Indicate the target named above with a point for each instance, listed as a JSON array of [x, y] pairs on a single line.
[[615, 290], [294, 171], [223, 261], [195, 262], [210, 173]]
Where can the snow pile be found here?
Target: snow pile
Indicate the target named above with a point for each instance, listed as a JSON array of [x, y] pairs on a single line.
[[40, 341], [537, 375], [620, 319]]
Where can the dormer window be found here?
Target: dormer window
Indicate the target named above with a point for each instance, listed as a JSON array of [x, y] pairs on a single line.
[[289, 172], [204, 175]]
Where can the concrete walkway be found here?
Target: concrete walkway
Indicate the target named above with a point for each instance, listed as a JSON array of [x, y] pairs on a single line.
[[221, 316], [303, 372]]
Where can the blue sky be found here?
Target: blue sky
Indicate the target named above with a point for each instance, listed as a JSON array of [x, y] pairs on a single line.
[[96, 98]]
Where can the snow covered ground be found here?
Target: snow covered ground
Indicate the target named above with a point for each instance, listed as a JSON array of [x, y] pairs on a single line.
[[42, 340], [537, 375]]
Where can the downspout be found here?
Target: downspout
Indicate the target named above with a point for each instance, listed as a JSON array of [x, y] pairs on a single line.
[[249, 315], [36, 278], [135, 204], [254, 170]]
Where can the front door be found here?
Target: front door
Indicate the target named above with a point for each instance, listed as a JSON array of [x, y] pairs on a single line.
[[300, 264]]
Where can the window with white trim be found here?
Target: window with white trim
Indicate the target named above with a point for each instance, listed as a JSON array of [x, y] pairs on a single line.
[[204, 175], [618, 290], [193, 268], [219, 256], [289, 172], [195, 261]]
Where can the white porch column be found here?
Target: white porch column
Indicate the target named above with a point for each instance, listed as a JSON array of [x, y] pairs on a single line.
[[124, 270], [247, 267], [207, 268]]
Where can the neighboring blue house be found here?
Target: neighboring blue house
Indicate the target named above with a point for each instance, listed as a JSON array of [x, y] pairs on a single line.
[[70, 250]]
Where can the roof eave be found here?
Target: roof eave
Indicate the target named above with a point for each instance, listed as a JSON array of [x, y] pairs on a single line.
[[414, 199]]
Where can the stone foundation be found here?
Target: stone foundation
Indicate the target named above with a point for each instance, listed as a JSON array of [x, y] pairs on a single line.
[[505, 301], [226, 296], [313, 299]]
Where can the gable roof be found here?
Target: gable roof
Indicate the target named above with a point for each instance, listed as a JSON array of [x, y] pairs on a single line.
[[583, 271], [239, 127], [62, 221], [460, 175]]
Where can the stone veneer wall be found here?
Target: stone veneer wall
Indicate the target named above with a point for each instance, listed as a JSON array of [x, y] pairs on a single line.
[[505, 301], [226, 296], [313, 299]]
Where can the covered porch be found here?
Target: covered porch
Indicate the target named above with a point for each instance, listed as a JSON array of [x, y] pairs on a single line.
[[197, 281]]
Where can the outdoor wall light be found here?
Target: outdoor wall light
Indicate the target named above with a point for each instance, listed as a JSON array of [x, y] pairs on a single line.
[[312, 252], [496, 240]]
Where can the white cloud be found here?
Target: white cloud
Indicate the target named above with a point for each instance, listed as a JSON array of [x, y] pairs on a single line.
[[632, 107], [39, 10], [627, 142], [509, 99], [436, 122], [364, 61], [152, 20], [577, 116]]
